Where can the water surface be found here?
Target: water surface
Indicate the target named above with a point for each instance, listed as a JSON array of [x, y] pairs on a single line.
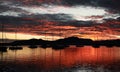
[[71, 59]]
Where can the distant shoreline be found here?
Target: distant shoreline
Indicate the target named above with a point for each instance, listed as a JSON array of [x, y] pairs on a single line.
[[62, 43]]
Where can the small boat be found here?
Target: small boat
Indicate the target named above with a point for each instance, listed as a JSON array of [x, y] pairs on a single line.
[[33, 46], [57, 47], [79, 46], [15, 48], [3, 49], [96, 46], [45, 46]]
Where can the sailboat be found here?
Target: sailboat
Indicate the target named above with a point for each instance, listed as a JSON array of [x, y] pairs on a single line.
[[3, 48], [32, 46], [15, 47]]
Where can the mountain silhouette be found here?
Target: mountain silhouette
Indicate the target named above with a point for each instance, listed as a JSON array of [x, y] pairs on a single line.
[[62, 43]]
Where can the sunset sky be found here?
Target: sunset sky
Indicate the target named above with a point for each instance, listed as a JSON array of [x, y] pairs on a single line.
[[56, 19]]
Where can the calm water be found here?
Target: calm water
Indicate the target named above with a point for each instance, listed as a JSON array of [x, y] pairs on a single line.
[[71, 59]]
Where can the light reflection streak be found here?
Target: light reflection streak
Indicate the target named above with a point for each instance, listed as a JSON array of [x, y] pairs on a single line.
[[68, 57]]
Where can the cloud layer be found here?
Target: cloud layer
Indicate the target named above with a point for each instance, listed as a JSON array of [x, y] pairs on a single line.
[[95, 19]]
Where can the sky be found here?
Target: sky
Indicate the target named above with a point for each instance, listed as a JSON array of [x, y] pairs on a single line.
[[56, 19]]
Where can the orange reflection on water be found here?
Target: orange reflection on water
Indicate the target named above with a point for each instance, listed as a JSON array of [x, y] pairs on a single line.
[[71, 56]]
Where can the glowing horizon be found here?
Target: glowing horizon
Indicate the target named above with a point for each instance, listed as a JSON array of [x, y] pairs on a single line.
[[22, 36]]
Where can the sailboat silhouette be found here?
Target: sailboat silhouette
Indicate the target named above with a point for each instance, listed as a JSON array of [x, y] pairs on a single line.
[[3, 48], [15, 47]]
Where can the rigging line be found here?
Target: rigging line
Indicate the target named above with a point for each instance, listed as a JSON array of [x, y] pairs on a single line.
[[60, 61], [1, 53], [52, 56], [45, 63], [2, 31], [16, 33]]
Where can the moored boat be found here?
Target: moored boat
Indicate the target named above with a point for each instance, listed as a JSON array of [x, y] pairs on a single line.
[[15, 48]]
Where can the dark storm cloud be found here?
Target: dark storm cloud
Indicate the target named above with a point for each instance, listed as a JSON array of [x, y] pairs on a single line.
[[51, 17], [57, 20], [118, 18], [7, 6], [39, 26], [34, 19], [4, 8], [114, 25], [76, 23], [111, 4], [15, 20], [46, 22]]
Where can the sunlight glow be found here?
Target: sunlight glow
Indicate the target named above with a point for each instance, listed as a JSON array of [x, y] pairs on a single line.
[[78, 12], [20, 36]]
